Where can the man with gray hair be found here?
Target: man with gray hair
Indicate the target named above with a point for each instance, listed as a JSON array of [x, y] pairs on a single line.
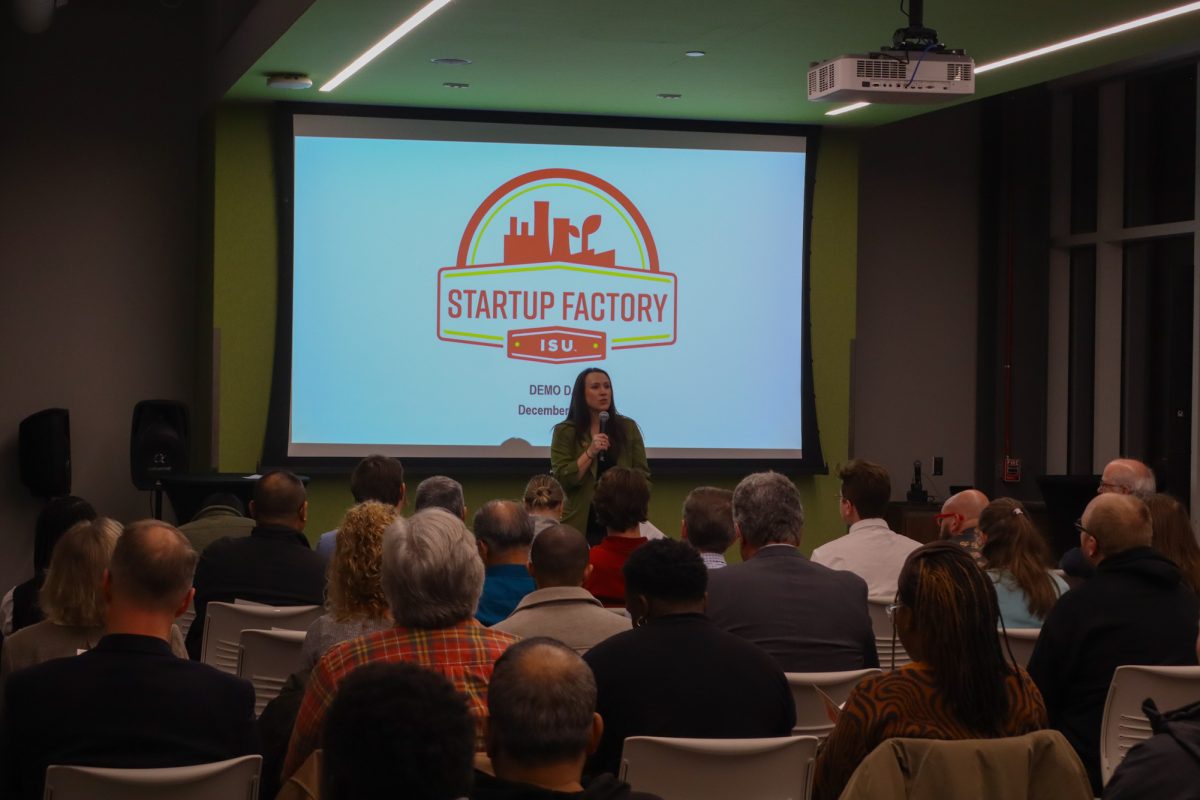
[[809, 617], [441, 492], [432, 577], [541, 727], [503, 533], [1127, 476], [1135, 610], [128, 702]]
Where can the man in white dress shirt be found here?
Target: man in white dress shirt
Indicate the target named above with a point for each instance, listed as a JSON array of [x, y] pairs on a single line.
[[870, 549]]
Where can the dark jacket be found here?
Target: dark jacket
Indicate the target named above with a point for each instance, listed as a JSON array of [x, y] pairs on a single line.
[[602, 787], [1135, 610], [1167, 765], [809, 617], [680, 675], [129, 702], [273, 565]]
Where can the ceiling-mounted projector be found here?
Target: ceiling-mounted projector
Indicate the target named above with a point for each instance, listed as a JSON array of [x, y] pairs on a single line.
[[917, 68]]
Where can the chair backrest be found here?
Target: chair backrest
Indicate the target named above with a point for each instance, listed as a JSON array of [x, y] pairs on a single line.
[[187, 618], [266, 659], [1021, 641], [1124, 723], [889, 656], [224, 623], [812, 718], [720, 769], [235, 779]]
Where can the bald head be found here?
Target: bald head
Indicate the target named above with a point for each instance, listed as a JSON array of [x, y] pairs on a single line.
[[1114, 523], [152, 567], [559, 557], [1127, 476], [280, 499], [967, 505], [541, 706]]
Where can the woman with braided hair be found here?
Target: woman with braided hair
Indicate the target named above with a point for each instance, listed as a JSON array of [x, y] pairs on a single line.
[[1018, 562], [960, 684]]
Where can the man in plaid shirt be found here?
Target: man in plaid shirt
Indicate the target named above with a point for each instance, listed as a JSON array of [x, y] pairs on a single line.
[[432, 576]]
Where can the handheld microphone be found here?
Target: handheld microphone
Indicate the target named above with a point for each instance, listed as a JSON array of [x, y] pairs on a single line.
[[603, 425]]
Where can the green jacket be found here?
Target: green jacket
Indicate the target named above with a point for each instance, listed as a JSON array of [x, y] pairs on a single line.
[[565, 450]]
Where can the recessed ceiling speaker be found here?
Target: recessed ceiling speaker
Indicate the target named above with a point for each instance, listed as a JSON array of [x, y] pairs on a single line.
[[44, 445], [158, 442]]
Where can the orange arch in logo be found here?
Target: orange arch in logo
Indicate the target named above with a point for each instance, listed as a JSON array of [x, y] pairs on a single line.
[[464, 246]]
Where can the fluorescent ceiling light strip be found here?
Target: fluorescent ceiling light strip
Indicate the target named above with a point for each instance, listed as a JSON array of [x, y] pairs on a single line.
[[846, 109], [1063, 45], [1090, 37], [405, 28]]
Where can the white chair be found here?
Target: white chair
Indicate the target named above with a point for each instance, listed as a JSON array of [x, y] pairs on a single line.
[[812, 718], [720, 769], [224, 623], [1021, 642], [1124, 723], [235, 779], [890, 657], [266, 659], [187, 618]]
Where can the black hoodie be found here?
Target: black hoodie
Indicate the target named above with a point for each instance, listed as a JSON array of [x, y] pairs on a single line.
[[1134, 611], [1165, 767]]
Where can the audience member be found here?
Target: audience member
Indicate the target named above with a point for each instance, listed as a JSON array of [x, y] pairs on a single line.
[[503, 533], [441, 492], [432, 577], [542, 725], [220, 515], [273, 565], [959, 521], [622, 503], [675, 673], [959, 686], [1167, 765], [544, 498], [72, 599], [1127, 476], [128, 702], [561, 608], [1174, 538], [377, 478], [1018, 561], [397, 730], [1120, 476], [870, 549], [708, 523], [1135, 610], [19, 607], [356, 604], [808, 617]]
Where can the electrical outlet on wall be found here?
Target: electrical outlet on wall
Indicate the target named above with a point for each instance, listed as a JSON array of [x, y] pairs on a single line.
[[937, 466]]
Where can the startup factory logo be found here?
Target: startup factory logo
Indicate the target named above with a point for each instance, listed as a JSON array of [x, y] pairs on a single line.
[[557, 266]]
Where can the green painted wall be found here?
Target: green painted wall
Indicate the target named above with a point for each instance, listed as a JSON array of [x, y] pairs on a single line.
[[243, 315]]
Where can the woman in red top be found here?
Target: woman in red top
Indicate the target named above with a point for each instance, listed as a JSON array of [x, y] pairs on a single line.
[[622, 501]]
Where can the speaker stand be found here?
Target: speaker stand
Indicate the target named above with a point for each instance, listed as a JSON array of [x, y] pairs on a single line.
[[158, 498]]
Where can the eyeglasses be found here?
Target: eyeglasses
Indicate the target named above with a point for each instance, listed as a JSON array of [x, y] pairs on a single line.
[[1079, 527], [890, 608], [937, 518], [1105, 486]]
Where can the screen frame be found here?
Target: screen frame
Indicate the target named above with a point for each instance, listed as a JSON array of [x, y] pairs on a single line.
[[276, 440]]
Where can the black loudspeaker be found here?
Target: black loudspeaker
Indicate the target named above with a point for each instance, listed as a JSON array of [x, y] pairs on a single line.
[[44, 443], [158, 443]]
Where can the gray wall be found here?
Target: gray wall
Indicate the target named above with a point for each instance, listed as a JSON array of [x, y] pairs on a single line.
[[914, 358], [98, 239]]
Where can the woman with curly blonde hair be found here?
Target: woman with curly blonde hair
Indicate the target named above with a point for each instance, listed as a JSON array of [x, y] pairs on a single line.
[[355, 601]]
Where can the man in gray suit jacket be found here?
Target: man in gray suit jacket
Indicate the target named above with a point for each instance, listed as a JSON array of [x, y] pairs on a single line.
[[809, 617]]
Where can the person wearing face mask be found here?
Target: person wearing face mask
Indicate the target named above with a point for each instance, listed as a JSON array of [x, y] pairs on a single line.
[[584, 445]]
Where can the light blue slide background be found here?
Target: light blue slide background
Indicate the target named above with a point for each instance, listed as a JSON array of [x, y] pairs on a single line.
[[376, 218]]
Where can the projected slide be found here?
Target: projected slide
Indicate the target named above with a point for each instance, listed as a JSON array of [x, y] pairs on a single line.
[[450, 280]]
